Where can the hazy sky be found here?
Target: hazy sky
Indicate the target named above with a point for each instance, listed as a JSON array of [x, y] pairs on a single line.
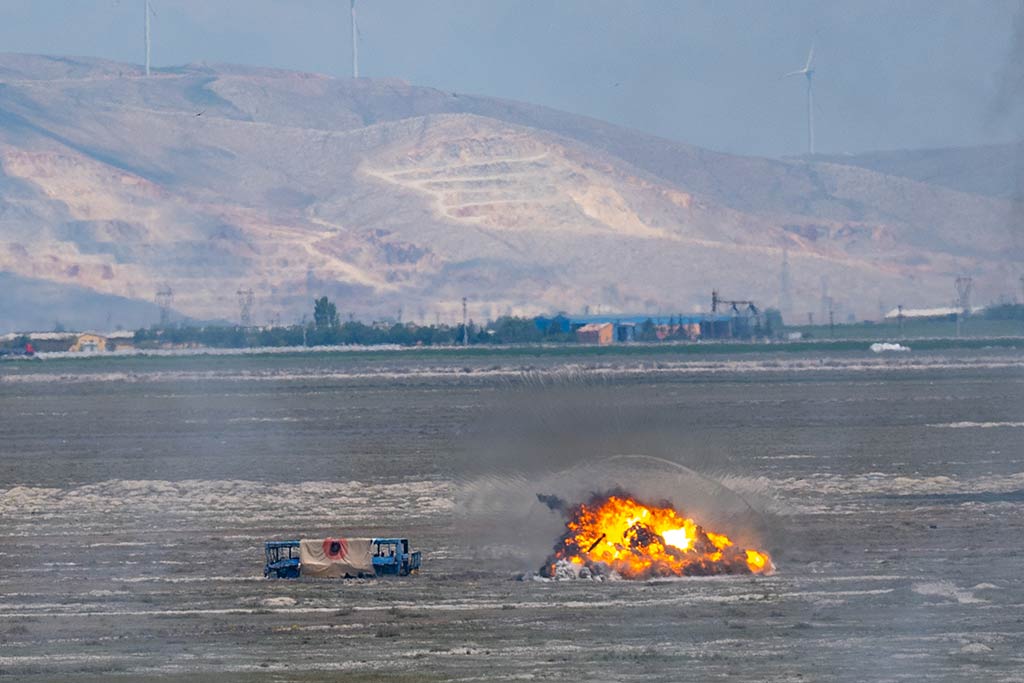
[[889, 74]]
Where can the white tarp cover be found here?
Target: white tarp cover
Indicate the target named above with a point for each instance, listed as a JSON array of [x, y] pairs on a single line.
[[333, 558]]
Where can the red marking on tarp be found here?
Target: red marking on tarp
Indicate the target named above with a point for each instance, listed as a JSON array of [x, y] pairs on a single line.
[[335, 548]]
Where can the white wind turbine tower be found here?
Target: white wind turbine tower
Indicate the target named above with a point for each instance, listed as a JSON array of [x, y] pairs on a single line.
[[355, 42], [149, 12], [808, 72]]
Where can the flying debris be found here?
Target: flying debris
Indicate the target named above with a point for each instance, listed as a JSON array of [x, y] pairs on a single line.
[[615, 535], [553, 502]]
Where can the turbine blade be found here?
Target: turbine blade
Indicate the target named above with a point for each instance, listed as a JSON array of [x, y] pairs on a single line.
[[810, 56], [801, 72]]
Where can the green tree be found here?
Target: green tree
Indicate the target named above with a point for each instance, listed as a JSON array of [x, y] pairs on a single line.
[[325, 313], [648, 332], [1005, 311], [510, 330]]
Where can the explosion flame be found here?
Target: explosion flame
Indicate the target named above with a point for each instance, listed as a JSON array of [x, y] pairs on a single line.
[[639, 541]]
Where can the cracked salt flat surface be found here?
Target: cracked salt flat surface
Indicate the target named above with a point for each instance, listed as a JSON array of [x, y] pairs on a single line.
[[216, 502], [139, 543], [434, 369], [977, 425]]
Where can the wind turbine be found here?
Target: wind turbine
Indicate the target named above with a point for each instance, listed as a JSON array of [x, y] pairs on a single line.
[[808, 72], [355, 42], [149, 11]]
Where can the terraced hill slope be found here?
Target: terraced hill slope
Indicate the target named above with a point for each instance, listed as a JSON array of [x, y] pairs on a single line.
[[386, 196]]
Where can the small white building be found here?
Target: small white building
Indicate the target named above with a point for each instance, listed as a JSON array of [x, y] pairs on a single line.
[[923, 313]]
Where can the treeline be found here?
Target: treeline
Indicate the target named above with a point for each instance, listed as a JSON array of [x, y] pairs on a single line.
[[293, 335], [506, 330], [326, 329], [1004, 312]]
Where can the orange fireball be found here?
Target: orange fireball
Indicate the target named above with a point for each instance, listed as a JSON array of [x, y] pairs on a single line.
[[643, 541]]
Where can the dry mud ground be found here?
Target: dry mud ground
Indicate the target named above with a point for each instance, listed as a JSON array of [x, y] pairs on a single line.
[[135, 495]]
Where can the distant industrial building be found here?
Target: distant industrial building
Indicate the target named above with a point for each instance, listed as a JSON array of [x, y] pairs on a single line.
[[88, 342], [616, 329], [939, 313], [601, 334], [75, 342]]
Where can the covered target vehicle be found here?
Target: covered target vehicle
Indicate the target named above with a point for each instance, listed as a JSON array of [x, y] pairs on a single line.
[[336, 558]]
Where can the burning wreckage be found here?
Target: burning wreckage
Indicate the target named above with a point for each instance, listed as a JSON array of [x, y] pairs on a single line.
[[616, 536]]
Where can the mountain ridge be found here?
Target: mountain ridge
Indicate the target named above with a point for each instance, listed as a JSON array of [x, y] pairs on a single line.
[[387, 195]]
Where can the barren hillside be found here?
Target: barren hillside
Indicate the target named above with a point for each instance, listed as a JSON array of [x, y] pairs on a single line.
[[385, 195]]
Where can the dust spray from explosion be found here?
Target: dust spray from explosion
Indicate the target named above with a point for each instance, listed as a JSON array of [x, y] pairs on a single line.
[[614, 532]]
